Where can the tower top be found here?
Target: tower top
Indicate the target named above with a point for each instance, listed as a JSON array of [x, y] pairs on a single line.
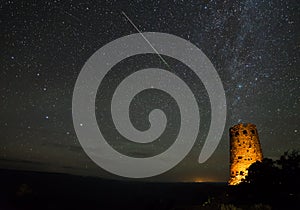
[[244, 125], [243, 129]]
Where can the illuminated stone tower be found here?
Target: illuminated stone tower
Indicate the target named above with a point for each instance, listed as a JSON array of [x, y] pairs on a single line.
[[244, 150]]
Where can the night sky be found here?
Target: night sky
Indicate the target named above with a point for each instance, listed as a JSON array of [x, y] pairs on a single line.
[[253, 45]]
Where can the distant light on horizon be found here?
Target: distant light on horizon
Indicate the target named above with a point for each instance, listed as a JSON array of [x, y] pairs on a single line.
[[199, 180]]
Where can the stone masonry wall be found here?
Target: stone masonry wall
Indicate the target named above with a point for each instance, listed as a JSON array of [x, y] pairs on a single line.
[[245, 149]]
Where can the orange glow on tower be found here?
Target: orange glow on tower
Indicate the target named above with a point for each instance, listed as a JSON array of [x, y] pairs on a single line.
[[245, 149]]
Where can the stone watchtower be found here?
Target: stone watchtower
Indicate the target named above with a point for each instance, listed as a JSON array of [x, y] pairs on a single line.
[[244, 150]]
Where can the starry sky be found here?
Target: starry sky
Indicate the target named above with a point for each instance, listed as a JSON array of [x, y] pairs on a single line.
[[253, 45]]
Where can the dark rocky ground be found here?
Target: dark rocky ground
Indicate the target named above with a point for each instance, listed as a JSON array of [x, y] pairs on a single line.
[[37, 190]]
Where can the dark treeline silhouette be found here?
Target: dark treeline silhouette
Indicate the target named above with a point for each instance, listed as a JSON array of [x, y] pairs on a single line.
[[283, 173], [271, 182]]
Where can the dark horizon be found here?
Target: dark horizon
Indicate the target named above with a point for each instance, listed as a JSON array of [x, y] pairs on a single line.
[[28, 190]]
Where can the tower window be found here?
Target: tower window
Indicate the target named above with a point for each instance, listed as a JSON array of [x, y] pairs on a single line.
[[244, 132]]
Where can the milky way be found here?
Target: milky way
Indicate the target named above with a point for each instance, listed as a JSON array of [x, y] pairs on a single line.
[[253, 45]]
